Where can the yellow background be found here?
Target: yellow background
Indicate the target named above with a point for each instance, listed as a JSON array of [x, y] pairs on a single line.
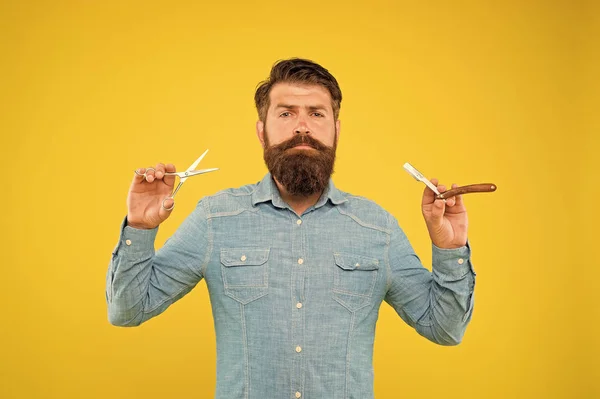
[[502, 92]]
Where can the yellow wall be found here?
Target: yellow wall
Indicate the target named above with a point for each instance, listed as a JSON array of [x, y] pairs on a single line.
[[495, 91]]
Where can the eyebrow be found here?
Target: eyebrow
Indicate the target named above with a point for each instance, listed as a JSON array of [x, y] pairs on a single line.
[[309, 107]]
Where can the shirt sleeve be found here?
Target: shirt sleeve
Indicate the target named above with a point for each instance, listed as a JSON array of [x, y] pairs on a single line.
[[437, 304], [142, 283]]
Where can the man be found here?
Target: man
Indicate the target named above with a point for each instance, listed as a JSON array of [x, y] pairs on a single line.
[[296, 269]]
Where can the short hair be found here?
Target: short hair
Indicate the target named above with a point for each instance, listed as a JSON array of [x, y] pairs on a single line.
[[299, 71]]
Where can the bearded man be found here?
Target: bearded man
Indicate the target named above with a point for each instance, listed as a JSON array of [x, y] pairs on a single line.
[[296, 269]]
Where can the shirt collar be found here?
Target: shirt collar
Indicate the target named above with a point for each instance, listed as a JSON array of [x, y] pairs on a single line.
[[267, 190]]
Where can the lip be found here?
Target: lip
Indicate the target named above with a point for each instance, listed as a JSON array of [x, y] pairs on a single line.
[[304, 146]]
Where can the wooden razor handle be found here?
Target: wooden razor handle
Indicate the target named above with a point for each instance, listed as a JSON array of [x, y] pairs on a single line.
[[472, 188]]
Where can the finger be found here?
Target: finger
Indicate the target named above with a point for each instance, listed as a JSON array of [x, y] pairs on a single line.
[[437, 213], [138, 176], [160, 171], [452, 200], [458, 198], [150, 174], [170, 180]]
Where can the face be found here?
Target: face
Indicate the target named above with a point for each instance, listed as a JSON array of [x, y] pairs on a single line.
[[297, 109], [299, 137]]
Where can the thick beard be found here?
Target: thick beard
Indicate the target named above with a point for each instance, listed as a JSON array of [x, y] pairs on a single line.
[[301, 172]]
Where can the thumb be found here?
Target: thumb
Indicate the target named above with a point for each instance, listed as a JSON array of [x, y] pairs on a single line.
[[166, 208], [437, 212]]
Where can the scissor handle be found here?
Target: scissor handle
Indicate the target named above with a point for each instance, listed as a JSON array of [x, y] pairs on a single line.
[[177, 188], [179, 174], [163, 204], [145, 173]]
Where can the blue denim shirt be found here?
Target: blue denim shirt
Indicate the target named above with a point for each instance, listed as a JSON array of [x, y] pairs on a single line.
[[294, 298]]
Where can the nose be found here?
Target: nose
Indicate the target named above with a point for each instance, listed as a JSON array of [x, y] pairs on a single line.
[[302, 127]]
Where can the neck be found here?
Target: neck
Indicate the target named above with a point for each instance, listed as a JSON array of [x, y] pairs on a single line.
[[299, 203]]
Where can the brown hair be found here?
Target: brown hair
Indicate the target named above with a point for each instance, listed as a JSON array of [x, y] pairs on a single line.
[[300, 71]]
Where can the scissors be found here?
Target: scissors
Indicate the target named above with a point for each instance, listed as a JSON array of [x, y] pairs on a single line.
[[472, 188], [182, 177]]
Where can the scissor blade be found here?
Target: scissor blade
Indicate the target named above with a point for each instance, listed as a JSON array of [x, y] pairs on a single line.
[[196, 162], [201, 171], [419, 176]]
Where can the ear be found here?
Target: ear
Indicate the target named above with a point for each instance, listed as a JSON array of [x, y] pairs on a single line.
[[337, 129], [260, 132]]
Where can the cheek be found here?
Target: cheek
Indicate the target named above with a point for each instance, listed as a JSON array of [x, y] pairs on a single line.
[[327, 135], [275, 134]]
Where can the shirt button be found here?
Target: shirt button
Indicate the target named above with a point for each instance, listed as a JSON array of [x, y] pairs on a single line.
[[299, 305], [298, 349], [461, 261], [298, 394], [300, 261], [357, 265], [243, 258], [298, 222], [128, 242]]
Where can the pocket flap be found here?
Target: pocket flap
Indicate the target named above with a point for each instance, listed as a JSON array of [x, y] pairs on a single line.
[[355, 262], [244, 256]]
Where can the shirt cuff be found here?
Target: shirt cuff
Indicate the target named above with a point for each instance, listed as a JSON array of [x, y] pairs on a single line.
[[452, 264], [134, 241]]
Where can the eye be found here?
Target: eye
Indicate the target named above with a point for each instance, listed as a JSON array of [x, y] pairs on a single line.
[[318, 114], [284, 114]]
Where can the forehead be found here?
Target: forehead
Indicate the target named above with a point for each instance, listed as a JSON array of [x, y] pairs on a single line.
[[292, 93]]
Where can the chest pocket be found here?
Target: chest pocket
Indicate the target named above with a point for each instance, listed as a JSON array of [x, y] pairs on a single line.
[[245, 273], [354, 278]]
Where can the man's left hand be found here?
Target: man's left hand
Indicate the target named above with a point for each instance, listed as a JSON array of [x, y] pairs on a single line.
[[447, 222]]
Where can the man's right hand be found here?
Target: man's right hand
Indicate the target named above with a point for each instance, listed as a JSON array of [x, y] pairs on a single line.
[[145, 199]]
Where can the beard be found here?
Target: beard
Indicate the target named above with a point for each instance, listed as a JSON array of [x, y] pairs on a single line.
[[302, 172]]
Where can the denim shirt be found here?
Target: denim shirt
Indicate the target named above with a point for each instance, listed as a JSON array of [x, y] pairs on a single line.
[[294, 298]]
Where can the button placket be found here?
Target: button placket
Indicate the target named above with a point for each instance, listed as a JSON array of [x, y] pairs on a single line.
[[298, 271]]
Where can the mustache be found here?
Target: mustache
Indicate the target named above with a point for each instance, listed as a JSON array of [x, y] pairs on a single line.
[[301, 139]]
